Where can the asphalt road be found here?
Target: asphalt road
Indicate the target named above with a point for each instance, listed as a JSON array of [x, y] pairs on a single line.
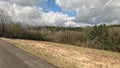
[[13, 57]]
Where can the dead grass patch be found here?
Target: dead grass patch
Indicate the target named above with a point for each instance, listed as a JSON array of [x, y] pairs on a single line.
[[67, 56]]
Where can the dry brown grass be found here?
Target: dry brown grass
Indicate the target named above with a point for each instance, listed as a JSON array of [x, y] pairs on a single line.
[[67, 56]]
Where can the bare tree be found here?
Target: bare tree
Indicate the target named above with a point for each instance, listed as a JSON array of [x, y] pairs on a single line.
[[4, 19]]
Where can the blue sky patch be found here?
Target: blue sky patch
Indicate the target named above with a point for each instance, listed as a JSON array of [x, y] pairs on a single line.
[[51, 6]]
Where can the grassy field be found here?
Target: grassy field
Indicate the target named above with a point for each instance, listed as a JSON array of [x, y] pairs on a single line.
[[68, 56]]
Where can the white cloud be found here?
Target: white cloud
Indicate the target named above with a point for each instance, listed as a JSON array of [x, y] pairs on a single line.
[[116, 3], [89, 12], [56, 19], [34, 15], [25, 12], [73, 4], [101, 10], [27, 2], [109, 2]]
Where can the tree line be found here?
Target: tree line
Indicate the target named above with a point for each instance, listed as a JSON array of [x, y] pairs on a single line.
[[99, 36]]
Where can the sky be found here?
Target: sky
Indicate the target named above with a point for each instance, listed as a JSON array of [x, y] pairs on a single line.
[[65, 13]]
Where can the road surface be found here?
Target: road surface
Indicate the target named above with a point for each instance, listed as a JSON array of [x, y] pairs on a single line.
[[13, 57]]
